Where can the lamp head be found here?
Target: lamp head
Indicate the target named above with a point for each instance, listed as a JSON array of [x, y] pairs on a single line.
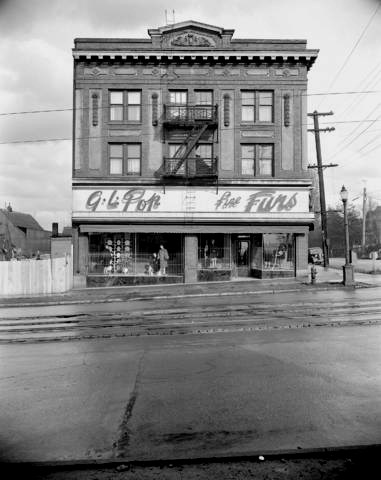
[[344, 194]]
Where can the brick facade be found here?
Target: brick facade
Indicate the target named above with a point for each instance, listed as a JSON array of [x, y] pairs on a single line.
[[191, 57]]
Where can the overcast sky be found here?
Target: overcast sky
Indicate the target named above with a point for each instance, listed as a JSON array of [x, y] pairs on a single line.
[[36, 74]]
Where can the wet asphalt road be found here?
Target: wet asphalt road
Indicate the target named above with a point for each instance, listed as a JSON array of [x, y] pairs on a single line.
[[236, 390], [191, 314]]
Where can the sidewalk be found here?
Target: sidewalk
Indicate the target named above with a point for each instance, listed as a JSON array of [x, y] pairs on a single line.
[[326, 279]]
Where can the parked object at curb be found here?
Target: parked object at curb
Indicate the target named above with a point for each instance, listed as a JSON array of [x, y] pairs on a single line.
[[315, 255]]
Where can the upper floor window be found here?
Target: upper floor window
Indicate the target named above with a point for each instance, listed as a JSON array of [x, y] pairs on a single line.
[[178, 97], [265, 107], [116, 159], [203, 97], [125, 105], [204, 104], [125, 158], [178, 100], [116, 105], [256, 106], [204, 150], [248, 107], [257, 159], [175, 151]]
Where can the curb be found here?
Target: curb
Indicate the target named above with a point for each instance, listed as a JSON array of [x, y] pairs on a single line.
[[323, 287], [254, 456]]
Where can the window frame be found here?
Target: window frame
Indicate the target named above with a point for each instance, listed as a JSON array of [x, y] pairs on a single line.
[[256, 106], [201, 103], [126, 106], [256, 161], [130, 106], [125, 158], [264, 105], [126, 148], [178, 90], [247, 106], [113, 105]]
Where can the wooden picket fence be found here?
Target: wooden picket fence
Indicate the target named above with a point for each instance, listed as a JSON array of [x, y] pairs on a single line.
[[32, 277]]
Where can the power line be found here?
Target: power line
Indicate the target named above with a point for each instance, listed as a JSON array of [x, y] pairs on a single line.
[[42, 140], [53, 110], [369, 143], [358, 126], [345, 142], [362, 132], [373, 149], [349, 121], [371, 80], [354, 47]]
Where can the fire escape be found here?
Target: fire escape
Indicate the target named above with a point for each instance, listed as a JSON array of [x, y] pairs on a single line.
[[186, 166]]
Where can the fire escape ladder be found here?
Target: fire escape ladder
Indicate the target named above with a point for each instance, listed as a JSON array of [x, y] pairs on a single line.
[[190, 142]]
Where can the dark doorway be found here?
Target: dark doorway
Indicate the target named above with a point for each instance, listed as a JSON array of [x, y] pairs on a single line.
[[243, 256]]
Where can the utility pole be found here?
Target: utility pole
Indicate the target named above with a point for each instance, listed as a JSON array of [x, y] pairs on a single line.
[[363, 238], [320, 166]]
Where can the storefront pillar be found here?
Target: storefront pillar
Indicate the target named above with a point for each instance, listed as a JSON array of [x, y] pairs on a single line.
[[83, 254], [227, 253], [79, 270], [301, 254], [75, 250], [190, 258]]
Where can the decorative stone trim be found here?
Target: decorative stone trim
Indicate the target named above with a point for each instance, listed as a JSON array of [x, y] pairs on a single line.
[[257, 133], [286, 109], [124, 133], [258, 71], [226, 110], [95, 101], [287, 72], [155, 109]]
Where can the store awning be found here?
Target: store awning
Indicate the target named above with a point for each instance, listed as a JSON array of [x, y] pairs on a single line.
[[194, 228]]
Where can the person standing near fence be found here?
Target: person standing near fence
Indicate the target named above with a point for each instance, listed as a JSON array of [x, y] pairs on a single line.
[[163, 259]]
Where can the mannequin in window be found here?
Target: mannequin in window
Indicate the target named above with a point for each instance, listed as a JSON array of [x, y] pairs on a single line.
[[213, 255], [206, 252], [163, 260]]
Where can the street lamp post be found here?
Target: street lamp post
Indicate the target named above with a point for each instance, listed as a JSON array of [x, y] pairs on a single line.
[[348, 273]]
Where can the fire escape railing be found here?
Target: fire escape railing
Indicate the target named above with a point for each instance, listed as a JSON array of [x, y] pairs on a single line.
[[192, 167], [185, 114]]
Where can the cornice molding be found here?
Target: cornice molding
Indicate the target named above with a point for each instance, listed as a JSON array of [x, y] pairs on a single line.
[[308, 56]]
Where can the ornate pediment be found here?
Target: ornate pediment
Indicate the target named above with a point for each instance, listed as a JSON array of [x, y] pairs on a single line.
[[190, 34], [189, 39]]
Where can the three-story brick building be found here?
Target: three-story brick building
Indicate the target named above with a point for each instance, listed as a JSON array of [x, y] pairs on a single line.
[[192, 140]]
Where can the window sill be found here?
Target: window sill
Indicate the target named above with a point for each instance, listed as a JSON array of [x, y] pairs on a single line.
[[257, 124], [124, 122]]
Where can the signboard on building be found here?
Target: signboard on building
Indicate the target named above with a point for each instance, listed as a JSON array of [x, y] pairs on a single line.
[[177, 202]]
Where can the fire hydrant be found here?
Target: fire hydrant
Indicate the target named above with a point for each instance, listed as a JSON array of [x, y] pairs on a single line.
[[313, 274]]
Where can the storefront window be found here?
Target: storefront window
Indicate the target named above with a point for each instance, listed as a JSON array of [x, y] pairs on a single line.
[[214, 252], [278, 251], [110, 253], [134, 254]]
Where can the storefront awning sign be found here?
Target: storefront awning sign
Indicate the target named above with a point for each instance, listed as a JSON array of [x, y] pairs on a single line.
[[153, 202]]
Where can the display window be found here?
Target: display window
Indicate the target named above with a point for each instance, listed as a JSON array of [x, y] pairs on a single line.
[[214, 252], [135, 254], [278, 251]]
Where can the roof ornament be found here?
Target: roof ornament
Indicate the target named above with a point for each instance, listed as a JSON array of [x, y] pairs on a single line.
[[191, 40], [9, 208]]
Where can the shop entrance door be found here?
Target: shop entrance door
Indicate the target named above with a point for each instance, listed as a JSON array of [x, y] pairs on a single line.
[[243, 256]]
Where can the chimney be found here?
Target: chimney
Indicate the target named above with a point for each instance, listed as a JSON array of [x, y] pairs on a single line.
[[54, 229]]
